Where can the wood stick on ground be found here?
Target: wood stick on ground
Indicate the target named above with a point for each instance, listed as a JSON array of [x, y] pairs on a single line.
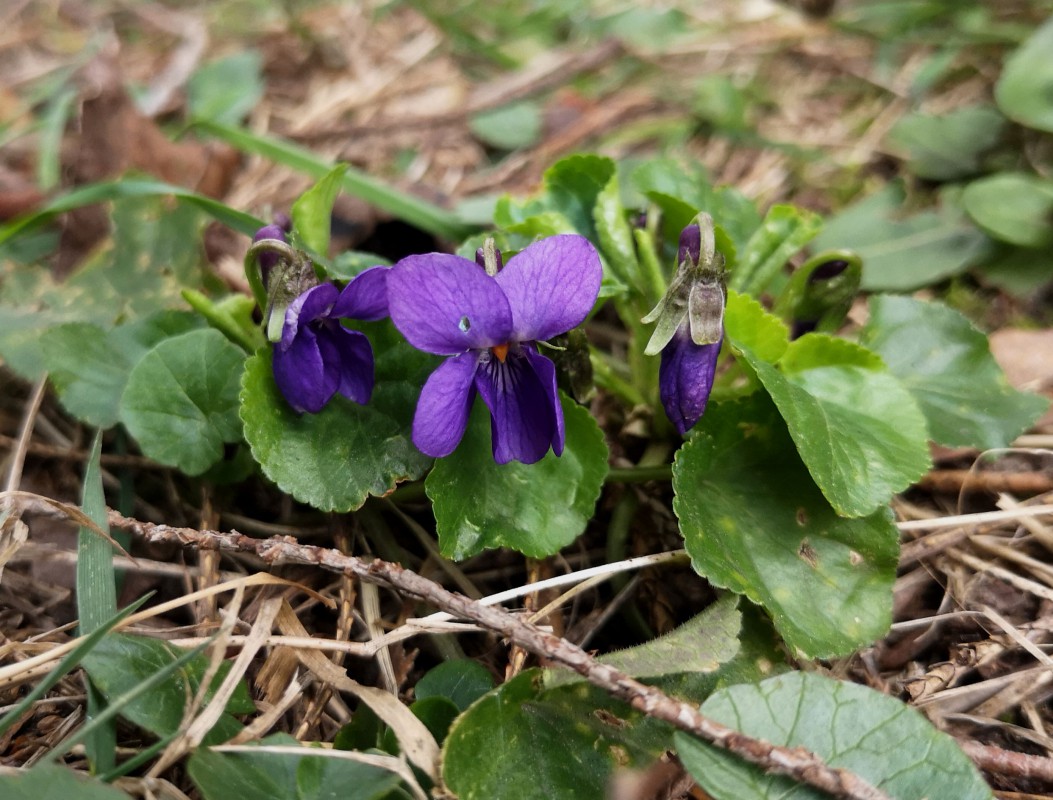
[[797, 763]]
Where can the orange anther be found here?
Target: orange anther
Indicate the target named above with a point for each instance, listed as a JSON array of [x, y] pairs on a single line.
[[501, 351]]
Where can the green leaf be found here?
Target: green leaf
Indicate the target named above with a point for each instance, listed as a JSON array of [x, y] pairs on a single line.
[[947, 146], [120, 662], [1025, 86], [851, 727], [784, 231], [568, 741], [703, 644], [614, 234], [902, 252], [748, 325], [129, 188], [227, 89], [1018, 271], [857, 428], [754, 522], [462, 681], [574, 185], [53, 781], [947, 365], [96, 596], [1014, 207], [571, 739], [511, 127], [181, 401], [312, 213], [536, 509], [89, 366], [335, 459], [286, 776]]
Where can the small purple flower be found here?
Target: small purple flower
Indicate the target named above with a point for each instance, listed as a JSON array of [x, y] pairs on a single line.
[[690, 327], [268, 260], [317, 356], [488, 323], [685, 378]]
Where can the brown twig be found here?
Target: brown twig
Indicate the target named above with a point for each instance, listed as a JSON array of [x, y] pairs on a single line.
[[1008, 762], [797, 763], [954, 481]]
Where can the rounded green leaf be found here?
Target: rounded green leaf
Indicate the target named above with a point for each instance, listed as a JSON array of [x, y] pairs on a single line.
[[947, 146], [889, 744], [335, 459], [89, 366], [754, 522], [946, 364], [510, 127], [747, 323], [1025, 88], [1014, 207], [246, 775], [181, 401], [902, 252], [536, 509], [55, 780], [857, 428], [522, 743], [461, 681]]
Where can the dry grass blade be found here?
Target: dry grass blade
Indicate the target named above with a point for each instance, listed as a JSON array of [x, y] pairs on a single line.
[[31, 668], [415, 739]]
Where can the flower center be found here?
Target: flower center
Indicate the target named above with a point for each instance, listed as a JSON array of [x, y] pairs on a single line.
[[501, 351]]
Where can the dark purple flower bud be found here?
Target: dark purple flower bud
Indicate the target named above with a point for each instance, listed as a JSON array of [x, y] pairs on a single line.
[[318, 357], [685, 378], [827, 271], [690, 325], [488, 324], [283, 221], [690, 249], [268, 260]]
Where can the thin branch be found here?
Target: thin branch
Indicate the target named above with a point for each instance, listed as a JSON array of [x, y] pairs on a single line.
[[797, 763]]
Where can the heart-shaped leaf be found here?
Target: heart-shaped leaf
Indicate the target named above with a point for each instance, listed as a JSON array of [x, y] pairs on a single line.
[[536, 509], [754, 522]]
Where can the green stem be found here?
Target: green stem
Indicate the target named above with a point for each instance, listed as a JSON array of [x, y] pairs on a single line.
[[609, 380], [660, 472], [650, 269], [424, 215]]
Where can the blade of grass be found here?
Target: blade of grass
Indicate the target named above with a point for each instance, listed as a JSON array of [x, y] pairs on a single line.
[[426, 216], [130, 187], [53, 125], [114, 708], [96, 599], [71, 660]]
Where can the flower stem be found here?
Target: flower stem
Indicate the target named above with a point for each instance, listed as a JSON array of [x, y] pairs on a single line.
[[609, 380], [658, 472]]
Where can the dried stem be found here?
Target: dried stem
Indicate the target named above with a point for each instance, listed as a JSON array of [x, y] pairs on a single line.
[[797, 763]]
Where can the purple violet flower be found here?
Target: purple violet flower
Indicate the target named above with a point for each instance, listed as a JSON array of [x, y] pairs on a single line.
[[488, 323], [317, 356], [690, 327]]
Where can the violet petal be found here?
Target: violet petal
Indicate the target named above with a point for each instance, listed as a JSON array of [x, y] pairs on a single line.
[[301, 375], [315, 303], [445, 304], [522, 424], [685, 378], [444, 405], [546, 373], [365, 297], [349, 356], [551, 286]]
